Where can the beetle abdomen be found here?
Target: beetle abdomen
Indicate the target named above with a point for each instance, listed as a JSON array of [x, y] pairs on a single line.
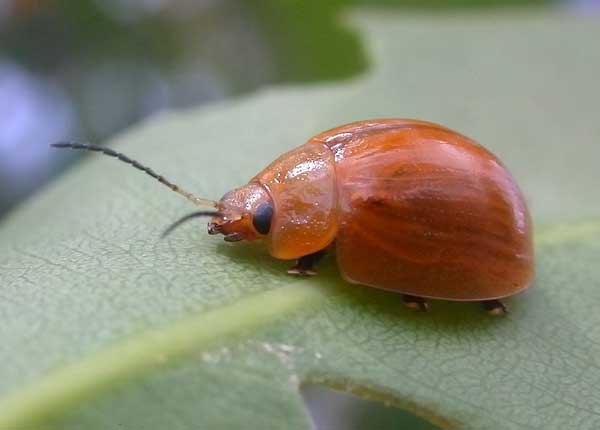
[[425, 211]]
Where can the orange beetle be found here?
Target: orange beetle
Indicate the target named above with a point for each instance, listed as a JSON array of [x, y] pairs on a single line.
[[410, 206]]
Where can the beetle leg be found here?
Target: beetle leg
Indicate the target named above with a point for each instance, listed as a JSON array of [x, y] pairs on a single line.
[[415, 302], [307, 264], [494, 307], [233, 237]]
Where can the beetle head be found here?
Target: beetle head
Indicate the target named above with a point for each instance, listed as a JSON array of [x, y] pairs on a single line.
[[243, 213]]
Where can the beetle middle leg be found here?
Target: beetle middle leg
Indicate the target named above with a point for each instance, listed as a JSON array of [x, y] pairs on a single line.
[[415, 302], [307, 264], [494, 307]]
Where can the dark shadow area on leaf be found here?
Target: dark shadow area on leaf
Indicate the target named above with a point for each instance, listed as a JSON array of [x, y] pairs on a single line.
[[333, 409], [255, 254], [443, 316]]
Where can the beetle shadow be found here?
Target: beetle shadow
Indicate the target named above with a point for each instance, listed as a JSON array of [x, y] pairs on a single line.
[[255, 256], [442, 315]]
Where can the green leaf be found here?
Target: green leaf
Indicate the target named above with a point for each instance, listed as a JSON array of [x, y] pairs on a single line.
[[308, 41], [105, 326]]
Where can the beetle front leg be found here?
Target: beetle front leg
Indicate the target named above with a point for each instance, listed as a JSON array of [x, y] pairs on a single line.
[[307, 264]]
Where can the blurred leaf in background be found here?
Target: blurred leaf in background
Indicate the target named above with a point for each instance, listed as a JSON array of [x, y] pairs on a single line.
[[106, 326], [310, 42], [87, 69]]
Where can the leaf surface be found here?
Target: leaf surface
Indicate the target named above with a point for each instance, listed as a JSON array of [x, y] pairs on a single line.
[[104, 325]]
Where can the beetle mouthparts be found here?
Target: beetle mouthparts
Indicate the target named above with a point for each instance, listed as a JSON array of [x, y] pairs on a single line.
[[214, 228]]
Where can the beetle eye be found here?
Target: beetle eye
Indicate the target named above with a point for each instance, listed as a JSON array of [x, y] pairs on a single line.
[[261, 220]]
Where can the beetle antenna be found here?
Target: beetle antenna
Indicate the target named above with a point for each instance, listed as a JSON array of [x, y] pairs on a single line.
[[111, 153], [186, 218]]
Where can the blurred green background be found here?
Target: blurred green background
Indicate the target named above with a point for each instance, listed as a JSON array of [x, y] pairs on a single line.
[[87, 69]]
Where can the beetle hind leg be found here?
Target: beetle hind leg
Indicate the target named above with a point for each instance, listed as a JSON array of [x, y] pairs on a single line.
[[494, 307], [307, 264], [415, 302]]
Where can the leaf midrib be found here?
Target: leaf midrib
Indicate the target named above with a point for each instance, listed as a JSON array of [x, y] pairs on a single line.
[[73, 384]]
